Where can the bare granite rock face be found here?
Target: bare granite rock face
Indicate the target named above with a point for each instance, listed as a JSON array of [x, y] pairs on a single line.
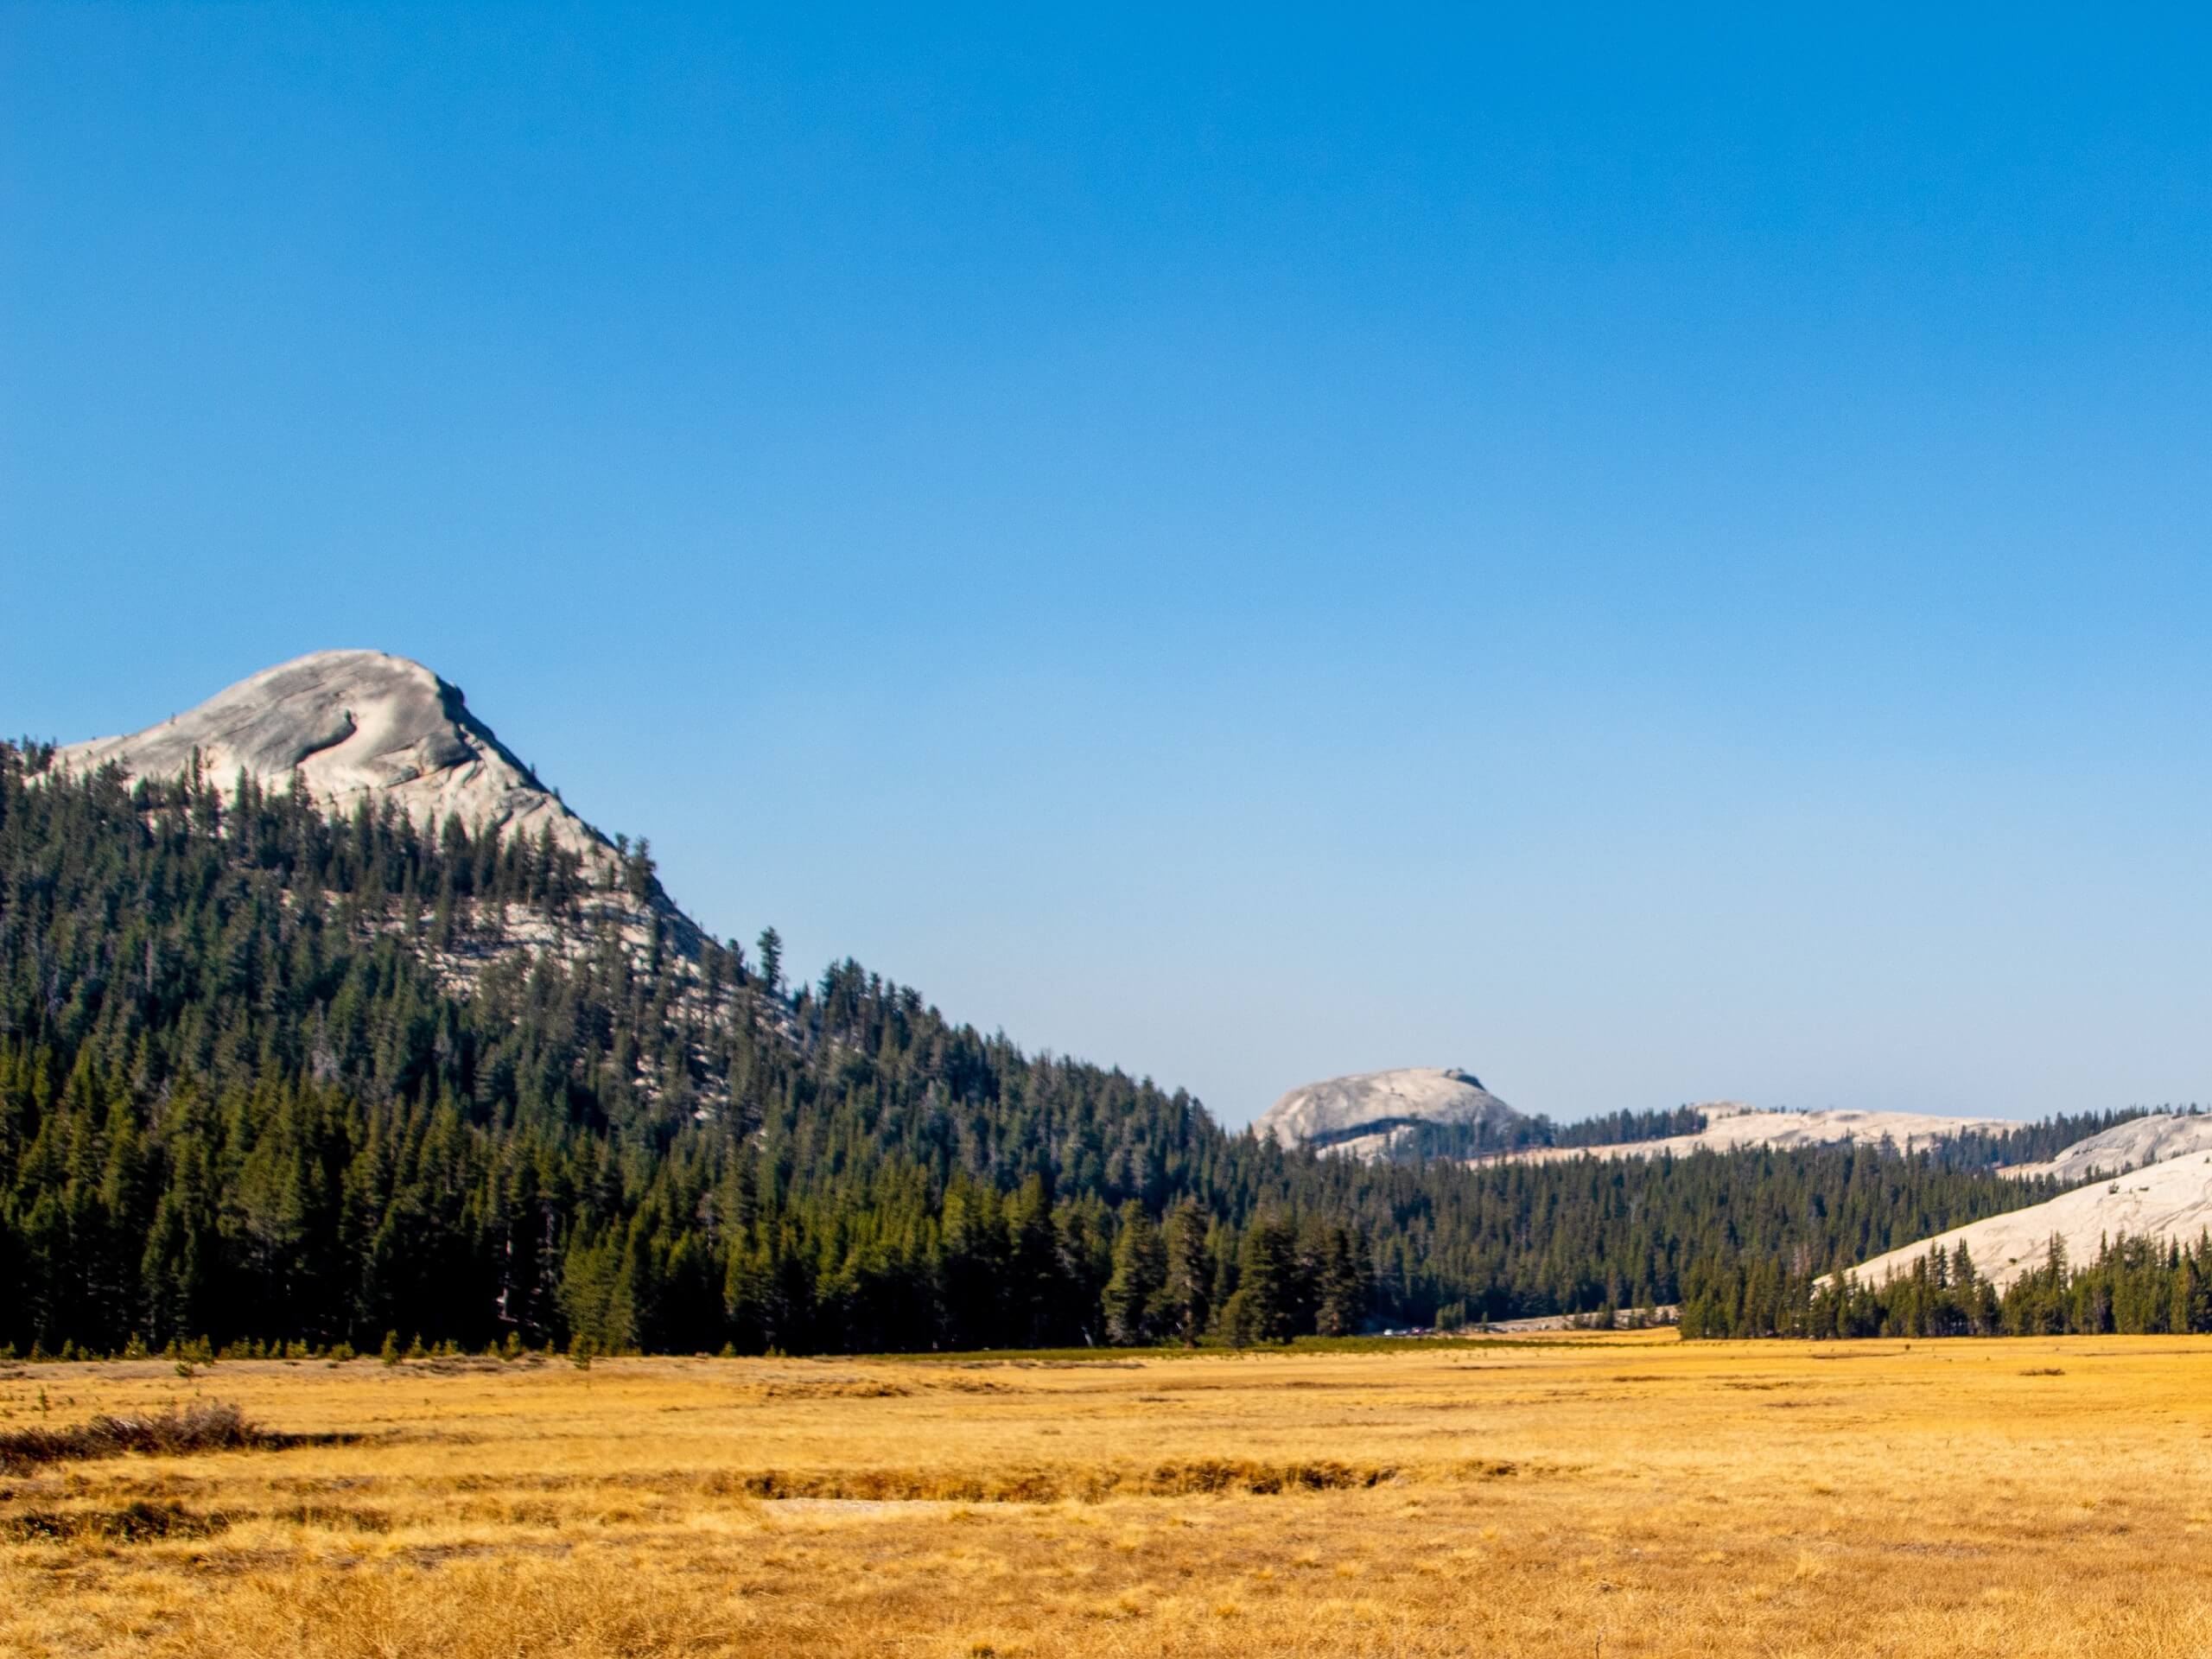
[[2136, 1144], [1731, 1126], [2169, 1203], [365, 725], [2149, 1178], [354, 725], [1365, 1115]]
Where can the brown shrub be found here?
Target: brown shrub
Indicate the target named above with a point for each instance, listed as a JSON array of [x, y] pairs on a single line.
[[213, 1425]]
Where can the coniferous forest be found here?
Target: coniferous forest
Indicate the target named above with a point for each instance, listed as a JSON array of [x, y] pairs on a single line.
[[269, 1075]]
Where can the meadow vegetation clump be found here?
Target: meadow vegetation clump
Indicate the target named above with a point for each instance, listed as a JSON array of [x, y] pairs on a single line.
[[209, 1426]]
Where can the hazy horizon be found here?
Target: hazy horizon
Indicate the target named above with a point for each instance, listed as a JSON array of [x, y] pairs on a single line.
[[1650, 565]]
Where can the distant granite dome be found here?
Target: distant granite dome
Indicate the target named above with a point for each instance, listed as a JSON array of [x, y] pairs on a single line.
[[1364, 1113], [356, 725]]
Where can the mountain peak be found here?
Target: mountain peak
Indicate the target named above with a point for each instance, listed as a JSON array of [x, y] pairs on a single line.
[[356, 725]]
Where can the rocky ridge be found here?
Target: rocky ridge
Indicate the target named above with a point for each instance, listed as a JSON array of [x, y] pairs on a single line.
[[1373, 1114]]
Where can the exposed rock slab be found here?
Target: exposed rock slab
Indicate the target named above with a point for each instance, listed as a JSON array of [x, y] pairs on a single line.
[[2169, 1200], [1731, 1126], [1365, 1113], [2136, 1144], [354, 725], [364, 727]]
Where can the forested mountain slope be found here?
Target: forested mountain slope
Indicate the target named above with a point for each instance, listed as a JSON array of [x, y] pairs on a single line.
[[268, 1072]]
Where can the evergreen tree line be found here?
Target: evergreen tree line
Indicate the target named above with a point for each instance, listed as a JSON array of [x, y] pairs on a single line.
[[1485, 1139], [244, 1096], [2133, 1287], [2037, 1143]]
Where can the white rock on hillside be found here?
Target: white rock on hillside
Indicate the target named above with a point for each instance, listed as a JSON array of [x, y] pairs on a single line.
[[1731, 1125], [356, 725], [1365, 1113], [363, 726], [2170, 1200], [2136, 1144]]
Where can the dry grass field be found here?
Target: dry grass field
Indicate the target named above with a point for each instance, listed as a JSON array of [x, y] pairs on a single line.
[[1598, 1496]]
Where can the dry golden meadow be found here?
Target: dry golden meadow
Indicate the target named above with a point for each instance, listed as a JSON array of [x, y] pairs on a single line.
[[1620, 1495]]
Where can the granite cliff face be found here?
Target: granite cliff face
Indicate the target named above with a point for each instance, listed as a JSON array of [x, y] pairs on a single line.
[[1365, 1115]]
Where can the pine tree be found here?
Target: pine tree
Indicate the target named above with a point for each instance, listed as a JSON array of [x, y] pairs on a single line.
[[1188, 1292], [1132, 1295], [1340, 1283], [1269, 1280]]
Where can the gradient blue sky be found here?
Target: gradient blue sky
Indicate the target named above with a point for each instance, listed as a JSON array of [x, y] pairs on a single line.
[[1651, 560]]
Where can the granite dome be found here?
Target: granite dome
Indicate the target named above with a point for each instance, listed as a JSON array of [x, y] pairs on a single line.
[[354, 725], [1364, 1113]]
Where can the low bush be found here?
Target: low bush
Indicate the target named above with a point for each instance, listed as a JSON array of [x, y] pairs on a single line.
[[213, 1425]]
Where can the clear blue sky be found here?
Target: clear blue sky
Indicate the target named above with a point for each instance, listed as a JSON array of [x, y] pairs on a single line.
[[1651, 561]]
